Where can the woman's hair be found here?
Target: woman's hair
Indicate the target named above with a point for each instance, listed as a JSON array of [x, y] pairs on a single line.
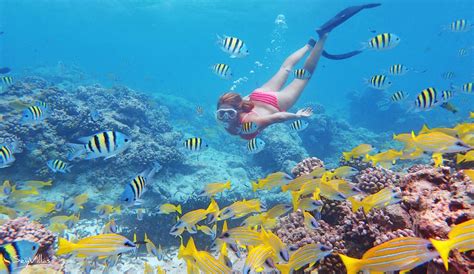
[[236, 101]]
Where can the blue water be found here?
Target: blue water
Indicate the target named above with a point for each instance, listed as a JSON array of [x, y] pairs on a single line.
[[165, 49]]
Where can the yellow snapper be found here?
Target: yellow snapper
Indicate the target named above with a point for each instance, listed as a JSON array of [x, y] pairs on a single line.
[[439, 142], [39, 209], [469, 173], [148, 269], [412, 155], [280, 249], [449, 131], [6, 188], [106, 210], [297, 183], [307, 254], [273, 180], [389, 156], [169, 208], [400, 254], [468, 157], [256, 258], [240, 208], [383, 198], [207, 230], [213, 188], [471, 115], [358, 151], [277, 211], [309, 221], [76, 203], [110, 227], [437, 159], [57, 228], [243, 235], [23, 193], [204, 260], [152, 250], [36, 184], [460, 237], [96, 246], [10, 212], [406, 139], [190, 219]]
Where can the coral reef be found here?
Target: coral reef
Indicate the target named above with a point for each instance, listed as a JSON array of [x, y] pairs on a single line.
[[357, 163], [373, 179], [23, 229], [306, 166]]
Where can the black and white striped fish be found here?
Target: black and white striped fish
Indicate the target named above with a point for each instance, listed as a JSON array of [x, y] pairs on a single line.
[[398, 69], [460, 25], [446, 95], [427, 99], [255, 145], [233, 46], [222, 70], [7, 80], [384, 41], [195, 144], [134, 190], [379, 81], [103, 144], [299, 125], [59, 166], [34, 114], [6, 154], [302, 74]]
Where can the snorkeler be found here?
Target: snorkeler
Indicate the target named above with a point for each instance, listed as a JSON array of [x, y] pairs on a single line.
[[268, 104]]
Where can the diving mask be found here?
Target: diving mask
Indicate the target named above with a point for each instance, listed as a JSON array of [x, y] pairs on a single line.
[[226, 114]]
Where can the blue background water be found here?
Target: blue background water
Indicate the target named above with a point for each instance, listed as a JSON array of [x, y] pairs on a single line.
[[168, 46]]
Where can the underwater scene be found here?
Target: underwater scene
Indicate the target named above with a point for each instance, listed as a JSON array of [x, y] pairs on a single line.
[[264, 136]]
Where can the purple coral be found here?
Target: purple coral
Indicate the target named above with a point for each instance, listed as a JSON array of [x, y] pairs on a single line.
[[306, 166], [373, 179]]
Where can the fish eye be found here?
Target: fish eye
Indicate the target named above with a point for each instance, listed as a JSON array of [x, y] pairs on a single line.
[[284, 254], [127, 199], [129, 244], [324, 248], [430, 247], [225, 235], [126, 140], [33, 248], [389, 83]]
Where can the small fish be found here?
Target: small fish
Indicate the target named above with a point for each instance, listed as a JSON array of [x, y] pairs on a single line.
[[140, 214], [448, 75], [383, 198], [7, 80], [110, 227], [190, 219], [467, 88], [446, 95], [148, 269], [169, 208], [10, 212], [195, 144], [17, 194], [59, 166], [449, 107], [222, 70], [358, 151], [7, 187], [389, 156], [379, 81], [17, 255], [239, 209], [307, 254], [248, 128], [255, 145], [302, 74], [463, 52], [273, 180], [134, 190], [471, 115], [6, 154], [105, 211], [95, 115], [468, 157], [69, 221], [437, 159], [309, 221], [57, 228], [39, 209], [96, 246], [403, 253], [460, 25], [199, 110], [36, 184], [34, 114], [340, 172], [398, 96], [398, 69], [256, 258], [160, 270], [151, 248], [468, 172], [299, 125], [105, 144], [243, 235], [76, 203], [384, 41], [427, 99], [439, 142], [213, 188], [233, 46], [212, 232]]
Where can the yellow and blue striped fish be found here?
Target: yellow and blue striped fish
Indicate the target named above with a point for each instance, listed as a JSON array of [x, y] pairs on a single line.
[[467, 87], [134, 190], [195, 144], [448, 75], [255, 145], [427, 99], [7, 80], [299, 125], [404, 253], [460, 25], [249, 128], [59, 166], [222, 70], [15, 256], [103, 144], [379, 81], [233, 46], [398, 69], [302, 74], [398, 96], [446, 95], [34, 114], [6, 154], [384, 41]]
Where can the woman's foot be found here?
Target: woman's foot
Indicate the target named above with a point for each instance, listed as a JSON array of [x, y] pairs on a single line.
[[343, 16], [311, 42]]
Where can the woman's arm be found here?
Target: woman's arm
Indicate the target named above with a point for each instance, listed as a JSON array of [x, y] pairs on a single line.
[[281, 117]]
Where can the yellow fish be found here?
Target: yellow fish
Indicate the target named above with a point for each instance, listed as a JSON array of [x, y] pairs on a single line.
[[389, 156], [148, 269], [437, 159], [471, 115], [243, 235], [110, 227], [273, 180], [160, 270], [10, 212], [468, 157], [203, 260], [256, 258], [469, 173], [37, 184], [190, 219], [358, 151], [298, 182], [169, 208], [240, 208], [412, 155], [57, 228], [309, 221], [406, 139], [207, 230], [6, 188], [76, 203], [439, 142], [460, 237], [279, 248], [307, 254], [277, 211], [213, 188], [465, 128], [399, 254], [39, 209], [22, 193], [96, 246], [106, 210], [383, 198], [448, 131]]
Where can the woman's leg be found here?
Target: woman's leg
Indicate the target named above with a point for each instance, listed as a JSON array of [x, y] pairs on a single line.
[[279, 79], [290, 94]]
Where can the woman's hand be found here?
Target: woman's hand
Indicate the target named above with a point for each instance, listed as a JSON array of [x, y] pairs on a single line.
[[305, 112]]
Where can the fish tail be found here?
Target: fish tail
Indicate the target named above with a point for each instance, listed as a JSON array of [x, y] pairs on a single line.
[[352, 264], [76, 150], [283, 268], [367, 158], [347, 156], [294, 200], [227, 185], [460, 158], [178, 209], [254, 186], [355, 204], [65, 247], [284, 188], [443, 248]]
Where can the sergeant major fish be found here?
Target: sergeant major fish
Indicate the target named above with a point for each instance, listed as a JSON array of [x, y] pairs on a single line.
[[103, 144], [134, 190], [233, 46]]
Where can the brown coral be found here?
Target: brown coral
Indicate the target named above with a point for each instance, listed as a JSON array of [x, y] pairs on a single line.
[[306, 166], [373, 179]]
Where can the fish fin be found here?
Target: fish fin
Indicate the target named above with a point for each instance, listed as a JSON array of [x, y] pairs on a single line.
[[227, 185], [460, 158], [443, 247], [351, 264], [347, 156], [77, 150], [111, 156], [356, 204], [178, 209], [284, 268], [294, 200], [254, 186], [233, 56], [65, 247]]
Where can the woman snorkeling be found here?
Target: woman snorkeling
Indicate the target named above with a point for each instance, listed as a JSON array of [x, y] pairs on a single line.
[[268, 104]]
